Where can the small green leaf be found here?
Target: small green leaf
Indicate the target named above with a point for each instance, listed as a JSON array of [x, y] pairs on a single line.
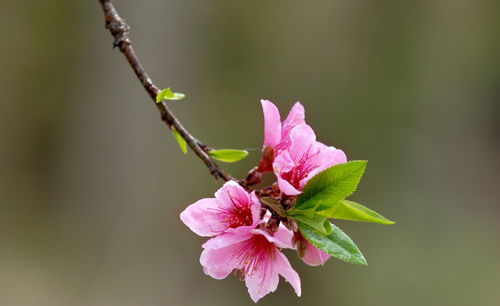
[[317, 222], [274, 205], [228, 155], [337, 244], [167, 94], [330, 186], [348, 210], [181, 141]]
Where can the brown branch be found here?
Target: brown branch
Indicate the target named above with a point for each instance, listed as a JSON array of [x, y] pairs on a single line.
[[120, 31]]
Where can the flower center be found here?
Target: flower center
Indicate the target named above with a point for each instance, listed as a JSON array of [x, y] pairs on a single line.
[[301, 169], [239, 216]]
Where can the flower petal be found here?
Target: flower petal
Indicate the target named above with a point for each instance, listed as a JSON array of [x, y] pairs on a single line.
[[324, 159], [295, 117], [231, 195], [263, 280], [282, 265], [283, 238], [302, 139], [327, 157], [218, 263], [314, 256], [201, 218], [286, 187], [232, 236], [283, 163], [272, 123]]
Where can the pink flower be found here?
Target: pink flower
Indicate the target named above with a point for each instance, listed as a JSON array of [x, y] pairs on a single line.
[[297, 155], [303, 159], [231, 208], [297, 158], [255, 253]]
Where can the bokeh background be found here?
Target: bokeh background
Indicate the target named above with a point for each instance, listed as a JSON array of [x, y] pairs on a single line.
[[92, 183]]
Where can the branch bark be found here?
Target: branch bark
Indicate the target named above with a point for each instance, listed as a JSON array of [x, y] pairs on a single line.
[[120, 32]]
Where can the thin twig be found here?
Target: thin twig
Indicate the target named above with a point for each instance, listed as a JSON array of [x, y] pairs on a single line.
[[120, 31]]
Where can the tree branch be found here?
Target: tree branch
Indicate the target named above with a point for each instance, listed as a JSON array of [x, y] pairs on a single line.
[[120, 31]]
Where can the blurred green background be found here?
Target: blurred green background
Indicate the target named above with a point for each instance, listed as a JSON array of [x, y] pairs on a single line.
[[92, 183]]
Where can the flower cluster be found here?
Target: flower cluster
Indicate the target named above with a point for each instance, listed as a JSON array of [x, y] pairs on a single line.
[[247, 233]]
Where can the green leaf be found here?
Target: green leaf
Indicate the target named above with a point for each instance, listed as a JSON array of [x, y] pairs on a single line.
[[330, 186], [181, 141], [228, 155], [317, 222], [167, 94], [348, 210], [337, 244]]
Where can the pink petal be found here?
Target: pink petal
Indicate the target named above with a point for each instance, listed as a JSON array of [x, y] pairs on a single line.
[[283, 238], [287, 188], [302, 139], [231, 194], [326, 158], [218, 263], [272, 123], [295, 117], [329, 156], [262, 281], [283, 163], [201, 218], [340, 157], [232, 236], [314, 256], [282, 265]]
